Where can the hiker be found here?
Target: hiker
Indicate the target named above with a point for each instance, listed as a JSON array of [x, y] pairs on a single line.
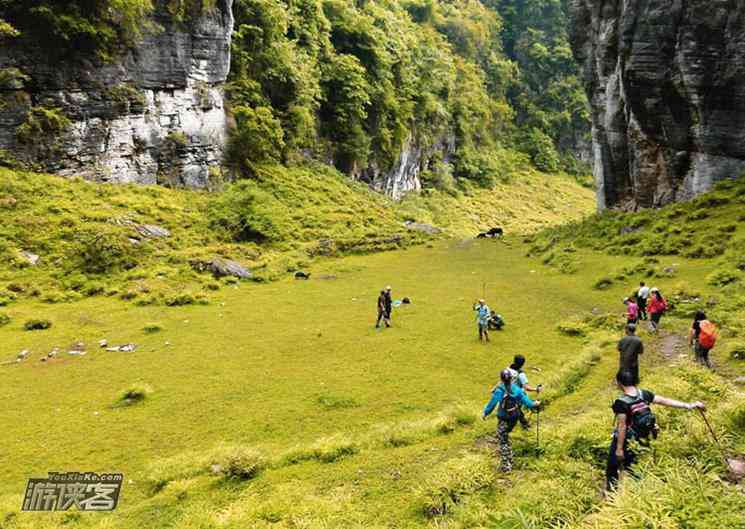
[[382, 312], [507, 398], [520, 379], [702, 337], [388, 305], [634, 421], [630, 347], [496, 322], [657, 307], [483, 314], [642, 295], [632, 311]]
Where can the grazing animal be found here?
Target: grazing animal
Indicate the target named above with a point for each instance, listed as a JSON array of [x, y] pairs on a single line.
[[406, 301], [493, 233], [302, 275]]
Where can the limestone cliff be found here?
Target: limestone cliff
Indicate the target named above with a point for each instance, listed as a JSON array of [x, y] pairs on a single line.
[[666, 81], [156, 115]]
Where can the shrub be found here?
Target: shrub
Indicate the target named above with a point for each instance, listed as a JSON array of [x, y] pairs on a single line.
[[736, 350], [152, 328], [4, 319], [37, 325], [327, 450], [723, 277], [42, 123], [258, 136], [238, 462], [573, 327], [134, 394], [244, 213], [603, 283], [179, 300], [102, 249]]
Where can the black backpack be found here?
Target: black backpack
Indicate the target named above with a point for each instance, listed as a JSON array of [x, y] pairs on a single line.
[[643, 422], [510, 405]]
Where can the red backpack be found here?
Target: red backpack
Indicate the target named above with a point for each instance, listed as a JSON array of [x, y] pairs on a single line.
[[707, 336]]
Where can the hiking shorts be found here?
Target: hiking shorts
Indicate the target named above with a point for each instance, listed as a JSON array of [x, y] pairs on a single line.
[[483, 326]]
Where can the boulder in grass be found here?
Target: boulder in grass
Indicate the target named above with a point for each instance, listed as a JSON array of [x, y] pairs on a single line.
[[29, 257], [220, 267], [151, 231], [422, 227]]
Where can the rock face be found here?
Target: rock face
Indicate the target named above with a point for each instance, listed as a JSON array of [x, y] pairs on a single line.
[[666, 82], [405, 175], [155, 116]]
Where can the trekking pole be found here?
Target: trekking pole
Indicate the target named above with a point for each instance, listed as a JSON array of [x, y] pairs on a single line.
[[716, 439], [538, 432]]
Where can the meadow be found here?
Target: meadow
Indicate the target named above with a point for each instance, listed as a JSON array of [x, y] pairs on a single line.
[[278, 404]]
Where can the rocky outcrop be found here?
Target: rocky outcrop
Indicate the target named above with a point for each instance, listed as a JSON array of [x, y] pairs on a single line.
[[405, 174], [666, 82], [154, 116]]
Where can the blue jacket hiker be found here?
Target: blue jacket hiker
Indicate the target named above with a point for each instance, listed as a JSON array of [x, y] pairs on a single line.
[[508, 398], [483, 314]]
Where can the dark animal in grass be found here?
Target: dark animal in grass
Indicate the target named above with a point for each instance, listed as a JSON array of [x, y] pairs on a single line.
[[493, 233], [406, 301], [302, 275]]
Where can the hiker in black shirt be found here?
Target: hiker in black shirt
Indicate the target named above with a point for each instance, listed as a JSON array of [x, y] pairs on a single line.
[[634, 421], [630, 347]]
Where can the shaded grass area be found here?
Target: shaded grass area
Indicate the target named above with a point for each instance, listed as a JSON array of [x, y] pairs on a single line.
[[326, 422]]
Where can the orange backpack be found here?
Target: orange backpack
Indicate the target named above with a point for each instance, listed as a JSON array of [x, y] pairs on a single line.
[[708, 335]]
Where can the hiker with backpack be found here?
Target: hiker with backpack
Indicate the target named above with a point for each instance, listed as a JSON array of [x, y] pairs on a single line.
[[629, 349], [483, 315], [642, 295], [632, 311], [508, 398], [520, 379], [657, 307], [382, 311], [702, 337], [634, 421]]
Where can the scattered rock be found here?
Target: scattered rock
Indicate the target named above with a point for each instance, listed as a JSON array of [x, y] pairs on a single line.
[[126, 348], [712, 302], [77, 346], [103, 343], [327, 277], [422, 227], [150, 231], [220, 267], [76, 353], [32, 258], [215, 469], [740, 381], [325, 247], [669, 270], [22, 355], [53, 353]]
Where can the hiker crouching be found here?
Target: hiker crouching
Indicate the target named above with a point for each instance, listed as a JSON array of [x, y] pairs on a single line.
[[634, 421], [508, 398]]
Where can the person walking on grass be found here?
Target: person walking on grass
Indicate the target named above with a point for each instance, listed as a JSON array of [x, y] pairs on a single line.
[[508, 398], [520, 379], [702, 337], [632, 311], [642, 295], [388, 305], [629, 348], [382, 314], [634, 421], [657, 307], [483, 314]]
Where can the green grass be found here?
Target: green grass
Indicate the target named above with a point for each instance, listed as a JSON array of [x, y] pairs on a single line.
[[278, 405], [338, 423]]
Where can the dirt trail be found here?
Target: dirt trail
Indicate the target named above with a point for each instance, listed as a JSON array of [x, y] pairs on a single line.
[[672, 345]]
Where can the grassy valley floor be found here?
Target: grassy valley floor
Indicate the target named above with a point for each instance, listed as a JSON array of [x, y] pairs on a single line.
[[350, 426]]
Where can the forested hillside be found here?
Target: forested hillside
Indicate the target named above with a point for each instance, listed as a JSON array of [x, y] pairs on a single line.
[[369, 86], [357, 81]]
